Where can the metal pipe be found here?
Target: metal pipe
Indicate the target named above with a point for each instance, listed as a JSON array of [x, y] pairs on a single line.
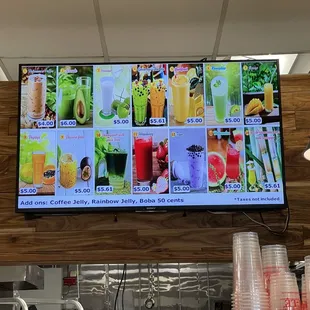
[[75, 303], [78, 280], [35, 301], [14, 301]]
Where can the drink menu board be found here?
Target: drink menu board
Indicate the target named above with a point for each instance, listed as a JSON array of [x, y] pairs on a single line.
[[161, 135]]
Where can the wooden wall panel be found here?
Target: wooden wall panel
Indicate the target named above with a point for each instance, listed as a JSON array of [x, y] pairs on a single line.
[[163, 237]]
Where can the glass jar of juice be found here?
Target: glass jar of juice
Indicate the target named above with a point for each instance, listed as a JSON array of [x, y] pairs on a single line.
[[68, 170]]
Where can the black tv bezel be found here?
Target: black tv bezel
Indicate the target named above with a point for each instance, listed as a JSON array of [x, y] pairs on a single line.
[[214, 208]]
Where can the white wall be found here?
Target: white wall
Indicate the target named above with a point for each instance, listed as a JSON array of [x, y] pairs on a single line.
[[302, 64], [53, 284]]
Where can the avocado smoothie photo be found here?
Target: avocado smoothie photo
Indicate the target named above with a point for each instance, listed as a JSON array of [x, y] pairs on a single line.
[[74, 97]]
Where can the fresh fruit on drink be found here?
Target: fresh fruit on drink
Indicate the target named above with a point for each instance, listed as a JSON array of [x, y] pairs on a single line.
[[85, 166], [115, 104], [191, 73], [160, 153], [127, 100], [165, 145], [134, 69], [234, 110], [239, 145], [200, 112], [26, 173], [165, 174], [79, 107], [216, 169], [177, 171], [49, 175], [123, 110], [161, 185], [172, 173], [238, 137], [254, 107]]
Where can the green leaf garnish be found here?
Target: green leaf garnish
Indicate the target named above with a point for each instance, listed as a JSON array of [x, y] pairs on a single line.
[[217, 83]]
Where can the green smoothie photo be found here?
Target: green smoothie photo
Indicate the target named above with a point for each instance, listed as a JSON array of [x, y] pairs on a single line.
[[223, 92], [74, 96], [140, 92], [219, 89], [67, 96], [84, 83]]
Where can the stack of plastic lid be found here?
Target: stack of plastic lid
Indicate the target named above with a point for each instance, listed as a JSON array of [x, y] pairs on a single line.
[[249, 287], [284, 293], [275, 260], [307, 278], [303, 293]]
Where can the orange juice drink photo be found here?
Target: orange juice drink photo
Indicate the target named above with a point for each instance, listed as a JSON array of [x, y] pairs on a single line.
[[181, 99], [268, 94], [68, 170], [38, 161]]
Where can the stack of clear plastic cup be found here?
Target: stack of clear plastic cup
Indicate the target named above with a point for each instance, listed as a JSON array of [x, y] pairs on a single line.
[[275, 260], [284, 293], [307, 278], [303, 293], [249, 287]]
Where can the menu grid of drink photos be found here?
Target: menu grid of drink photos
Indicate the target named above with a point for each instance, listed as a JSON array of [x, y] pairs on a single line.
[[150, 135]]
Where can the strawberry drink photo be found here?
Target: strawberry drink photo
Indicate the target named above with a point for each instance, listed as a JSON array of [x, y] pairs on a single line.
[[150, 161]]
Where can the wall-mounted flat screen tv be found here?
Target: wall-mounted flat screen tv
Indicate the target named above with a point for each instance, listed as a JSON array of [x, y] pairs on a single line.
[[150, 136]]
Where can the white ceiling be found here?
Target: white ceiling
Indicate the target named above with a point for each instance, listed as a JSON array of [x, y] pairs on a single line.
[[266, 27], [45, 31], [286, 60]]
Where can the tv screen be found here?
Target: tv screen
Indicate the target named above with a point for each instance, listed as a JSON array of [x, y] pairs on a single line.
[[155, 136]]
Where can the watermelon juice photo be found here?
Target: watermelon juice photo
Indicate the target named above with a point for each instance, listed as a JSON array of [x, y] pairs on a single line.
[[232, 163], [216, 169], [144, 159]]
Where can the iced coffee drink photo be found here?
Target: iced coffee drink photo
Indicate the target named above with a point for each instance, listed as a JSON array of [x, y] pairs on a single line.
[[38, 97]]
